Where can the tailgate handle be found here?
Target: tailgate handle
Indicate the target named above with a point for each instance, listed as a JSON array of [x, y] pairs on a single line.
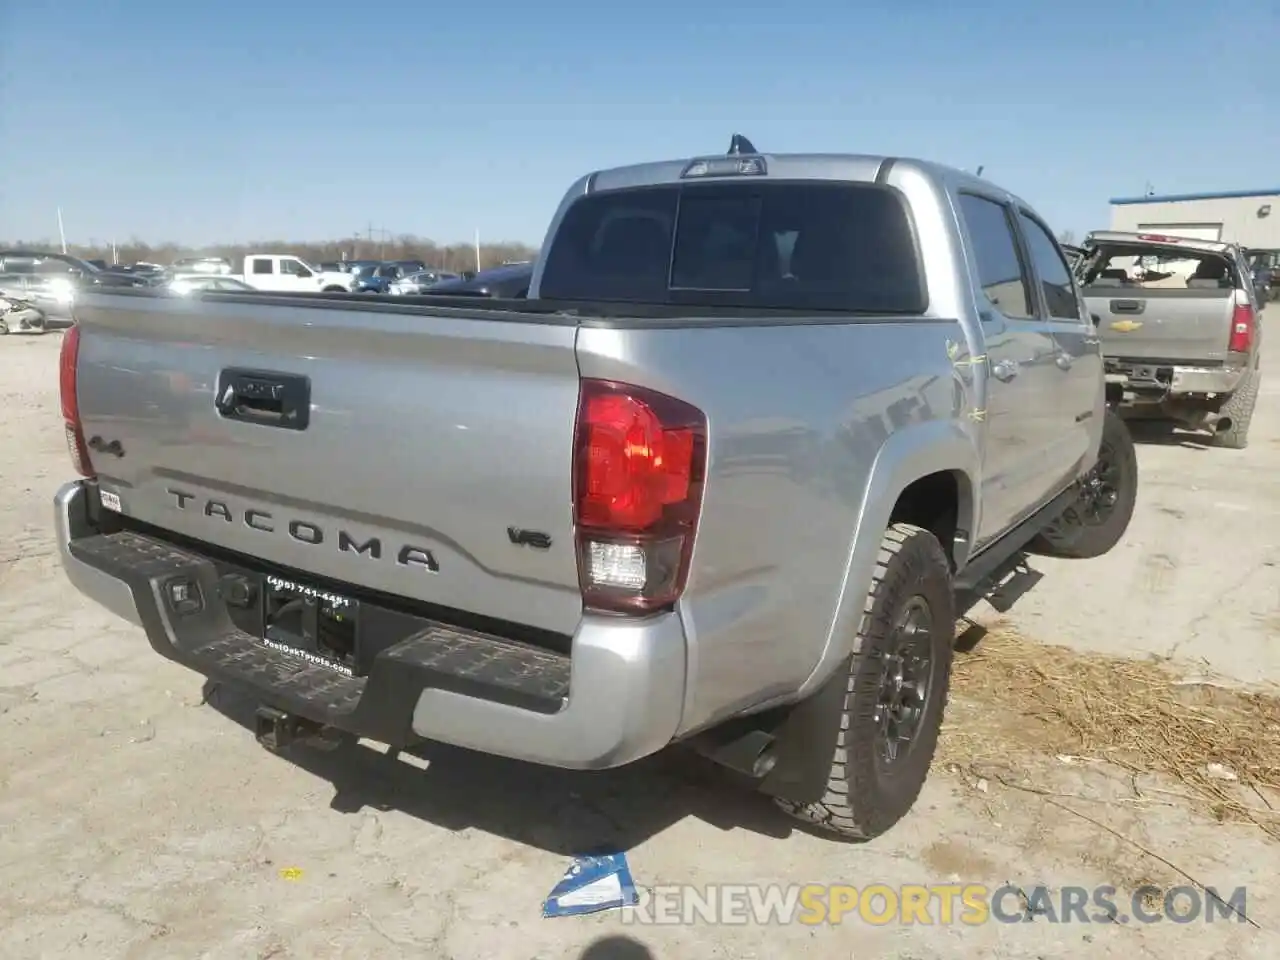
[[264, 397], [1128, 306]]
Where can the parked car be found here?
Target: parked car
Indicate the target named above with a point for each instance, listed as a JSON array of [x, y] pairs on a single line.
[[1265, 265], [215, 265], [763, 425], [53, 298], [285, 272], [420, 282], [379, 277], [19, 313], [55, 280], [1179, 324], [509, 282], [352, 266], [196, 283]]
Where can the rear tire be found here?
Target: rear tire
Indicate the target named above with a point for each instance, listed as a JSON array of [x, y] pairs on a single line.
[[1240, 410], [1098, 519], [909, 617]]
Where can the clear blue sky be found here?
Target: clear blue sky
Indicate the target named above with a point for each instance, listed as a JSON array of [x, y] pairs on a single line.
[[232, 121]]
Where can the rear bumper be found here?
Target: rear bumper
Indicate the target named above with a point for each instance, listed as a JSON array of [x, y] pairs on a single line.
[[1174, 380], [618, 696]]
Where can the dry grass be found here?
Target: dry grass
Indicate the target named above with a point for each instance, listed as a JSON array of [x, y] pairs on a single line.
[[1017, 696]]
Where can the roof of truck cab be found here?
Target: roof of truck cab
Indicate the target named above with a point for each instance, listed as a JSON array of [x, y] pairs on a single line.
[[851, 167], [1148, 238]]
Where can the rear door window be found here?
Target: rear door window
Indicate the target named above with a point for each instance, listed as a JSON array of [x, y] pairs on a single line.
[[994, 248], [1051, 270], [804, 246]]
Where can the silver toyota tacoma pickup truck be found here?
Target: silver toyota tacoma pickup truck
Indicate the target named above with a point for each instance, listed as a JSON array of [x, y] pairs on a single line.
[[723, 479], [1179, 320]]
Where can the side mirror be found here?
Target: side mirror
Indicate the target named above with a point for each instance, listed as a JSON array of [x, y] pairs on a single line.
[[1097, 320], [304, 273]]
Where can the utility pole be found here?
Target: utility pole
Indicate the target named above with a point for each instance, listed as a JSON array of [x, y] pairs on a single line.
[[61, 232], [477, 250], [383, 233]]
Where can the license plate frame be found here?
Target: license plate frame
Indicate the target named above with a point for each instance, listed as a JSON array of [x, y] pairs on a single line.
[[311, 623]]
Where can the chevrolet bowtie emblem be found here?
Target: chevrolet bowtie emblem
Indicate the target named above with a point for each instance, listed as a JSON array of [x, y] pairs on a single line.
[[1126, 326]]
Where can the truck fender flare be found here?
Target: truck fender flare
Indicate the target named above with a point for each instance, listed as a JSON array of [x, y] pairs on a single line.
[[909, 454]]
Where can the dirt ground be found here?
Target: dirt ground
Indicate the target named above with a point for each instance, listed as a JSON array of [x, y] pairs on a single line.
[[139, 819]]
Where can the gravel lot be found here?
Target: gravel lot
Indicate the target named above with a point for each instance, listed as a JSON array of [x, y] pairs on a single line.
[[139, 819]]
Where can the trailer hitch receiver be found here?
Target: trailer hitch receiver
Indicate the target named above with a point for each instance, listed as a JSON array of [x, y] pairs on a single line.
[[277, 730]]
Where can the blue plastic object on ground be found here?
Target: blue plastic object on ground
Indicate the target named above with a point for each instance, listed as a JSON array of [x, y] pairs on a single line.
[[592, 884]]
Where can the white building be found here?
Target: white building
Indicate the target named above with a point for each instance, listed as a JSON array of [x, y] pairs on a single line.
[[1250, 218]]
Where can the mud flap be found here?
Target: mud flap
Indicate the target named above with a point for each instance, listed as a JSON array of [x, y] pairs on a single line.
[[805, 742]]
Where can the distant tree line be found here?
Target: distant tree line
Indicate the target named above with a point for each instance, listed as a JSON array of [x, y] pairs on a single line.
[[454, 256]]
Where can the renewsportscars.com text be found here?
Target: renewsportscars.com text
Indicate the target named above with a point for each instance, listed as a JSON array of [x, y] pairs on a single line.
[[930, 905]]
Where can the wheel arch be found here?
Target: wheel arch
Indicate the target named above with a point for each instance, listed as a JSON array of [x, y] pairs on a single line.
[[914, 467]]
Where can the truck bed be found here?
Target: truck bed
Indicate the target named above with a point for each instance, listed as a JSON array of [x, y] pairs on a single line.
[[1166, 325]]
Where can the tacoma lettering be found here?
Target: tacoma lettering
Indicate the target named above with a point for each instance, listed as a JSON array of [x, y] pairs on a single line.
[[347, 544], [304, 531]]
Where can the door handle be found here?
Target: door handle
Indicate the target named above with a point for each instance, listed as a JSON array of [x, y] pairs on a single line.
[[1064, 361], [1128, 306], [1005, 370]]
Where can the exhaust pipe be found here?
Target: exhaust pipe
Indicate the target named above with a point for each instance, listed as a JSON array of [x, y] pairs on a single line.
[[1214, 422], [750, 752]]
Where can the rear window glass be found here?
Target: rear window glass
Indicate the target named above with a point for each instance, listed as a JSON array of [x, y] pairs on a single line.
[[1145, 267], [802, 246]]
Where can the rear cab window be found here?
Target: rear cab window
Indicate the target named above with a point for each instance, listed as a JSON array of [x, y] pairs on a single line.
[[808, 246]]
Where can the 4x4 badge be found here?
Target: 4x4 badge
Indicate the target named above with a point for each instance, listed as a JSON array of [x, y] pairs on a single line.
[[529, 538]]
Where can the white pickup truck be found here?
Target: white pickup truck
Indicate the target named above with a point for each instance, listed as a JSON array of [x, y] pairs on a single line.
[[285, 273]]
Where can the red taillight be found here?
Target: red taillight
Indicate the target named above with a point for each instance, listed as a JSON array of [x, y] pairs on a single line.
[[639, 461], [1159, 238], [70, 402], [1242, 324]]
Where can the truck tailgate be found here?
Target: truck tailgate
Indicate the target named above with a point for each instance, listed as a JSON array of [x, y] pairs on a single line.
[[424, 440], [1191, 326]]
